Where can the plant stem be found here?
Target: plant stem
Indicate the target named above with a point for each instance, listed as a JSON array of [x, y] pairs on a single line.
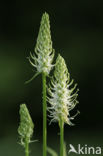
[[61, 137], [26, 147], [44, 115]]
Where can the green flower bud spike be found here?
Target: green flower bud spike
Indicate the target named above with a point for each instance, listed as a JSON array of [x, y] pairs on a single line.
[[43, 49], [25, 129], [62, 98], [44, 53]]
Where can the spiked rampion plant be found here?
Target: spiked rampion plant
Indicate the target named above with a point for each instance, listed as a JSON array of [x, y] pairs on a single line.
[[25, 129], [62, 99], [42, 61]]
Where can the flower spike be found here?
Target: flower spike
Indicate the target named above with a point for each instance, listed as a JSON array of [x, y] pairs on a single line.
[[61, 96], [26, 126], [44, 53]]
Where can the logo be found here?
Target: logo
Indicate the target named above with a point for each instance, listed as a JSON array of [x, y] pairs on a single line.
[[84, 149]]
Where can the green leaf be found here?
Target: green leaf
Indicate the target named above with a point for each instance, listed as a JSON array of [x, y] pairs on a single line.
[[64, 151], [35, 75], [51, 151]]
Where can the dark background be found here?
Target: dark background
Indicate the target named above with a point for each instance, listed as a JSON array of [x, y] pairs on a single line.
[[77, 34]]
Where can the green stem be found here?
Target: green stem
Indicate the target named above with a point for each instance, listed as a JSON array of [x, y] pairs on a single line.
[[44, 115], [26, 147], [61, 137]]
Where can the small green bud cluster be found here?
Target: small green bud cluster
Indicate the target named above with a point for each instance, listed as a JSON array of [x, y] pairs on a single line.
[[62, 98], [26, 126]]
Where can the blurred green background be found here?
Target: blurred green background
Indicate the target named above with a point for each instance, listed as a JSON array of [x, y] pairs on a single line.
[[77, 33]]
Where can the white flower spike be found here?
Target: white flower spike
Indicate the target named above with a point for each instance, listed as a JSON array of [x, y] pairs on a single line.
[[44, 53], [62, 99]]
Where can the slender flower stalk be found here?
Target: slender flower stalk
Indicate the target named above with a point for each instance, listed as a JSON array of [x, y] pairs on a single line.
[[61, 137], [61, 98], [44, 115], [42, 61], [25, 129]]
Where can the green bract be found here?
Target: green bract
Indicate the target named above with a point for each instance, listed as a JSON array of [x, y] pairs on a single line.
[[62, 98], [26, 126], [44, 53]]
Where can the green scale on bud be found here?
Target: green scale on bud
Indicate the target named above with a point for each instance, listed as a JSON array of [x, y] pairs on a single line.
[[26, 126], [62, 97]]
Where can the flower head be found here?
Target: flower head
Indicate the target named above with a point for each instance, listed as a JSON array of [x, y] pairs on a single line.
[[62, 98], [26, 126], [44, 53]]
